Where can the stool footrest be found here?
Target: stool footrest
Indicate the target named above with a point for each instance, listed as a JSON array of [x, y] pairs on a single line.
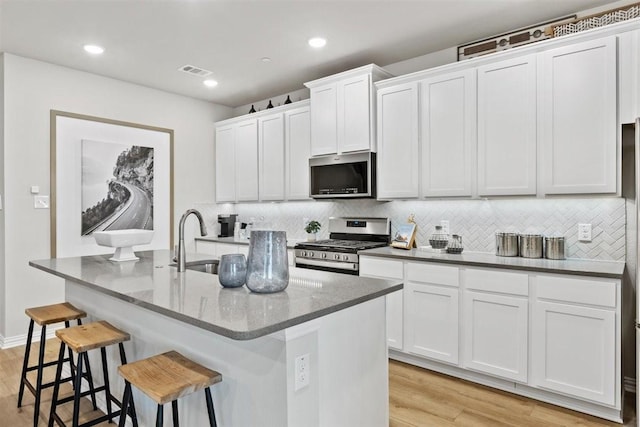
[[44, 365], [82, 394], [32, 389]]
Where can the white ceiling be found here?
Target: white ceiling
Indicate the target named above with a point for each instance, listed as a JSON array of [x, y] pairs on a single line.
[[147, 41]]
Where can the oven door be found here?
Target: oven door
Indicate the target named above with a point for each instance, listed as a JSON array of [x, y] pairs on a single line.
[[352, 268]]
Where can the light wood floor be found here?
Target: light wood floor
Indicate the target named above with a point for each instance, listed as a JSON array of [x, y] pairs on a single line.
[[418, 398]]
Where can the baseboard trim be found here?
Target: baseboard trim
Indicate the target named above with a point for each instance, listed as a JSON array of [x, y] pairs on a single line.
[[18, 340], [630, 384]]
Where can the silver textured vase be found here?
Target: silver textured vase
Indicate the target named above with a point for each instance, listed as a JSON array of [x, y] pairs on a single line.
[[232, 270], [268, 263]]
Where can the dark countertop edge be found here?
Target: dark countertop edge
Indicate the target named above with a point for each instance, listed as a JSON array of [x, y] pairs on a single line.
[[235, 335], [501, 266]]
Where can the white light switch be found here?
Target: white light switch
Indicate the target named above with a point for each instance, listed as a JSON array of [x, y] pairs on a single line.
[[41, 202], [584, 232], [35, 189]]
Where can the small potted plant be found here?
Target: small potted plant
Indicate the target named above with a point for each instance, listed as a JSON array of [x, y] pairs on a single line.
[[312, 228]]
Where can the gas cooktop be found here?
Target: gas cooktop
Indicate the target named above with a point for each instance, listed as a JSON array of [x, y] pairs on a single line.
[[337, 244]]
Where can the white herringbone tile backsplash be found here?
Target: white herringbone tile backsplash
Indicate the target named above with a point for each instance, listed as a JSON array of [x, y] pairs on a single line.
[[475, 220]]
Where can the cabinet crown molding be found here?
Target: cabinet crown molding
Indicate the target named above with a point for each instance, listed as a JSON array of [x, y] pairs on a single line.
[[377, 73], [263, 113], [595, 33]]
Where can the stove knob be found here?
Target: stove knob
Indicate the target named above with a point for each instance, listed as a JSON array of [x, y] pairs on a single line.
[[337, 256], [345, 257], [304, 253], [324, 255], [310, 254]]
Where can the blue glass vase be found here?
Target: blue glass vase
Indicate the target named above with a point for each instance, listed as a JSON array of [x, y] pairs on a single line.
[[232, 270]]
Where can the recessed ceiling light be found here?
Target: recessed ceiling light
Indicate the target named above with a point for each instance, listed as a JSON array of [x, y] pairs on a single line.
[[317, 42], [265, 59], [210, 83], [93, 49]]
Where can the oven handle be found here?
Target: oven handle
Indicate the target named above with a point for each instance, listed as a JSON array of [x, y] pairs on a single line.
[[329, 264]]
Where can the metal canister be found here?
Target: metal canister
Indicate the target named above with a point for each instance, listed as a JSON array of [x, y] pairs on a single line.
[[506, 244], [531, 245], [554, 247]]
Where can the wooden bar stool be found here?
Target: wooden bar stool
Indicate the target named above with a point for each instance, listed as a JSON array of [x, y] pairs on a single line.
[[165, 378], [43, 316], [81, 339]]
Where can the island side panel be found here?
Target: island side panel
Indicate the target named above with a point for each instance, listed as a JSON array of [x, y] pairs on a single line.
[[354, 366]]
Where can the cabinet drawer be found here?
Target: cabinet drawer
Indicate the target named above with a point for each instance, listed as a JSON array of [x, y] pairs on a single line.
[[380, 267], [505, 282], [577, 290], [430, 273]]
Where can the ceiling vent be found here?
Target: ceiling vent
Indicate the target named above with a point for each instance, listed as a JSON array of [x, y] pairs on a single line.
[[194, 71]]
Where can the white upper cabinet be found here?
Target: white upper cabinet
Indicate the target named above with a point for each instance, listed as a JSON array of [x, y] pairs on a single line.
[[577, 118], [324, 120], [398, 159], [271, 154], [354, 112], [225, 164], [247, 161], [507, 127], [265, 158], [343, 110], [448, 114], [298, 150]]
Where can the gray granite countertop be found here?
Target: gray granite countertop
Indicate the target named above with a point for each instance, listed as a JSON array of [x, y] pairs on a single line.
[[232, 240], [198, 299], [611, 269]]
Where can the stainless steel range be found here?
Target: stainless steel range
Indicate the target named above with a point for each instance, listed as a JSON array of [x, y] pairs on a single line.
[[347, 236]]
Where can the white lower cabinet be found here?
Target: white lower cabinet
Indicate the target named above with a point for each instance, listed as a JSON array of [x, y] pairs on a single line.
[[431, 311], [206, 248], [495, 339], [554, 337], [496, 322], [218, 249], [388, 269], [574, 345]]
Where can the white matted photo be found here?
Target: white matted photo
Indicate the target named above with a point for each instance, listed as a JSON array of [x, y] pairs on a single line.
[[108, 175]]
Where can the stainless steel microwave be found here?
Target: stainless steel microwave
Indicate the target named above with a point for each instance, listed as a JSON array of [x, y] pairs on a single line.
[[343, 176]]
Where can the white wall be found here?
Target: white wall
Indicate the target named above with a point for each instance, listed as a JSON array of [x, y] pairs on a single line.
[[2, 284], [32, 89]]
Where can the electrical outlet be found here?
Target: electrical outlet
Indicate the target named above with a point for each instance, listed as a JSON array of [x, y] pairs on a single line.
[[445, 226], [302, 372], [305, 221], [584, 232], [41, 202]]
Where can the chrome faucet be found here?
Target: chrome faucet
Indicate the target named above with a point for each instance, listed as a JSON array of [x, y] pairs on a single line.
[[182, 256]]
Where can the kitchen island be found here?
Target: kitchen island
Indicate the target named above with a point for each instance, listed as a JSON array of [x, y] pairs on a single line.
[[337, 321]]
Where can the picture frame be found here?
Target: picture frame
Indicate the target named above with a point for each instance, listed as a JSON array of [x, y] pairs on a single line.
[[405, 236], [135, 174]]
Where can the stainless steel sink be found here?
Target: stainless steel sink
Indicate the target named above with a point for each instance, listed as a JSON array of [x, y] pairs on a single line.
[[204, 266]]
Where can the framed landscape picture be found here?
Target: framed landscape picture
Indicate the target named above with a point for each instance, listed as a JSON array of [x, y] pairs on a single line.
[[405, 236], [108, 175]]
